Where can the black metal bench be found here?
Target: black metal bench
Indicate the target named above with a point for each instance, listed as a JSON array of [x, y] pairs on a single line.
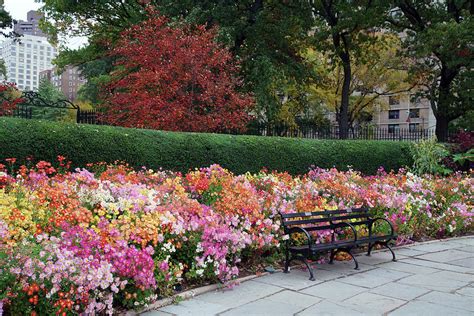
[[305, 223]]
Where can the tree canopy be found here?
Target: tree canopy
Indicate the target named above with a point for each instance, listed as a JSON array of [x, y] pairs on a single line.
[[439, 37]]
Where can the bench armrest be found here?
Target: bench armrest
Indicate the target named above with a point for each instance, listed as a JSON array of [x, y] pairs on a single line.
[[346, 224], [297, 229], [383, 219]]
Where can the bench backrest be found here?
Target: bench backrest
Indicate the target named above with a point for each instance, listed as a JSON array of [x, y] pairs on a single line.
[[322, 220]]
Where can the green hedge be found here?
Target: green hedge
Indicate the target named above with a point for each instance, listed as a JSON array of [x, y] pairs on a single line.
[[82, 144]]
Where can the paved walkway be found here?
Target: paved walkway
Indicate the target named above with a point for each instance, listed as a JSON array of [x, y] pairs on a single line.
[[435, 278]]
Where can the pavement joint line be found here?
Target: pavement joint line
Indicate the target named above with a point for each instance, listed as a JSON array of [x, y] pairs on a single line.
[[429, 260], [441, 269], [406, 302], [300, 311], [260, 298], [441, 303]]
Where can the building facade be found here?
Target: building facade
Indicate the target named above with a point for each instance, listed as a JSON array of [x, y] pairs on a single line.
[[68, 82], [30, 26], [403, 113], [25, 58]]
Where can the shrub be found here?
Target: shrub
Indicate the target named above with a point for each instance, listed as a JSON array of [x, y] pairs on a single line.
[[428, 157], [183, 151]]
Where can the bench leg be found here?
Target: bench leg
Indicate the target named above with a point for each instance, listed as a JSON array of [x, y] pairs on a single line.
[[287, 262], [311, 275], [371, 245], [394, 259], [355, 261], [331, 258]]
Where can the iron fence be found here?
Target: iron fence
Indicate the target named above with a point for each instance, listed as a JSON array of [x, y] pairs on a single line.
[[362, 133]]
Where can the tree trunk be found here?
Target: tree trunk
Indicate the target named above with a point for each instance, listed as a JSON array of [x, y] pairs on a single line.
[[442, 122], [346, 85], [442, 111]]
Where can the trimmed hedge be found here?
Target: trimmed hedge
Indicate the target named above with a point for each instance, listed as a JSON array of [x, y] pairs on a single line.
[[177, 151]]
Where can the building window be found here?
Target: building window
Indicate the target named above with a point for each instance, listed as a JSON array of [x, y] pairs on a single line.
[[414, 127], [394, 114], [414, 113], [393, 128], [394, 100]]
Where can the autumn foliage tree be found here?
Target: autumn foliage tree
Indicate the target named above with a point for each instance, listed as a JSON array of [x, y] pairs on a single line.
[[10, 97], [174, 78]]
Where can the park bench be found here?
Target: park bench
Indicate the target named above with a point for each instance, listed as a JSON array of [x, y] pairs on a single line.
[[349, 219]]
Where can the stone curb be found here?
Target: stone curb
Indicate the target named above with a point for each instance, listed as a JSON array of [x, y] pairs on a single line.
[[212, 287]]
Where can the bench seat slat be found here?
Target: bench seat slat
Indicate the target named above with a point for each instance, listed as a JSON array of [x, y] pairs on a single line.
[[324, 219], [307, 221], [325, 212]]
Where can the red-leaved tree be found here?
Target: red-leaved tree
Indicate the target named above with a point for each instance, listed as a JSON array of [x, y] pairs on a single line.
[[10, 97], [174, 78]]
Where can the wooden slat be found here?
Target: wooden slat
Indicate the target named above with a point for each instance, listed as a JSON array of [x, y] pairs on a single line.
[[306, 221], [325, 212]]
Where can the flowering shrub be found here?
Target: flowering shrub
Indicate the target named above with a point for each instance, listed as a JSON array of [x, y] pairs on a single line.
[[107, 237]]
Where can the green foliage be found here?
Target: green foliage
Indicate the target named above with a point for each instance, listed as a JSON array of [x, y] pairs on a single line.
[[427, 157], [439, 40], [461, 158], [6, 20], [3, 70], [83, 144], [344, 31], [49, 92]]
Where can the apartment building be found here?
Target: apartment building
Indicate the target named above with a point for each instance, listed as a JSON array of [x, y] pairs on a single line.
[[69, 81], [404, 113], [25, 58]]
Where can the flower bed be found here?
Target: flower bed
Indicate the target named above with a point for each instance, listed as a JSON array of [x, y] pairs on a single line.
[[110, 237]]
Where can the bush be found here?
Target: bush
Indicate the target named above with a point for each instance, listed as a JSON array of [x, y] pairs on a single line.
[[428, 157], [83, 144]]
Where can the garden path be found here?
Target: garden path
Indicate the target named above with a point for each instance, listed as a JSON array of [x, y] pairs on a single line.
[[433, 278]]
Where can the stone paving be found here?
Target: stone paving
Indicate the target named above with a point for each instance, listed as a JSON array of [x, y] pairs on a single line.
[[435, 278]]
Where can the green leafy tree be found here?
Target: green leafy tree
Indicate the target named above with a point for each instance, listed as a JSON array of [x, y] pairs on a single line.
[[6, 20], [50, 94], [343, 31], [377, 73], [439, 38]]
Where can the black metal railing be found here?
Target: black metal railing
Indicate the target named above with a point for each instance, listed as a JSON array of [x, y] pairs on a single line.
[[89, 117], [363, 133]]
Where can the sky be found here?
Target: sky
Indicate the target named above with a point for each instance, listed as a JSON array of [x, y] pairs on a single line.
[[19, 8]]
